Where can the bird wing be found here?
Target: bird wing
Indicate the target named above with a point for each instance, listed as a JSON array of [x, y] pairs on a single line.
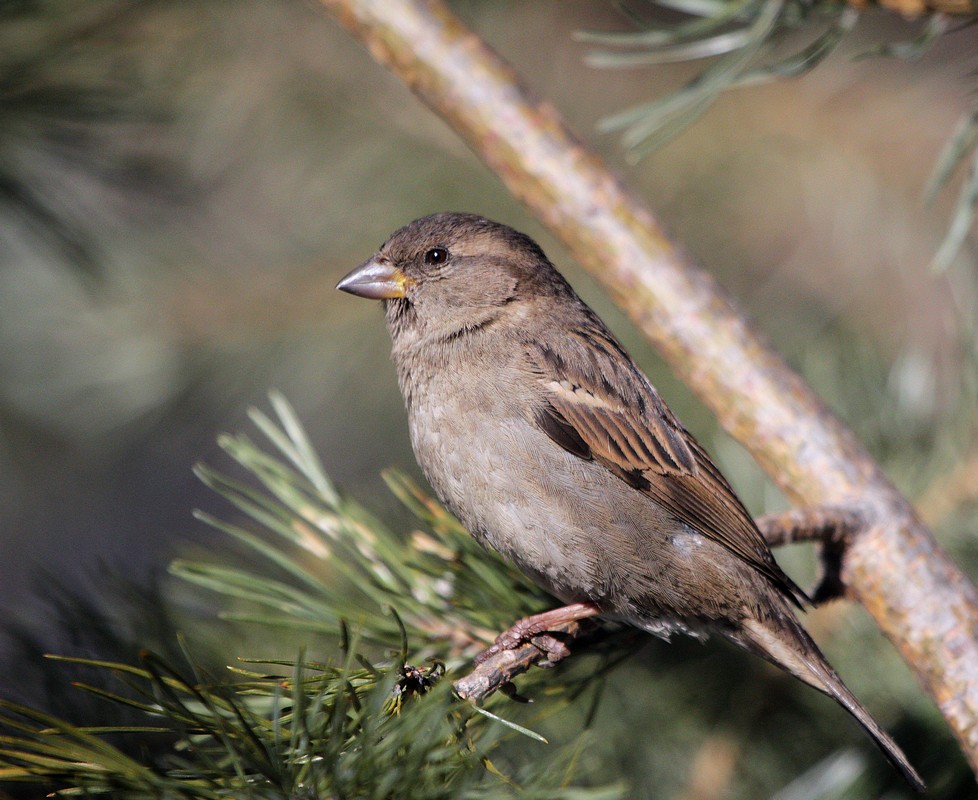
[[599, 406]]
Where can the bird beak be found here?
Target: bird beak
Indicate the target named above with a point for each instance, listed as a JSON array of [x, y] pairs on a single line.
[[376, 280]]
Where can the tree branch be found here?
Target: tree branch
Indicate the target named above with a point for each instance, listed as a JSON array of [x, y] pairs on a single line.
[[824, 524], [919, 598]]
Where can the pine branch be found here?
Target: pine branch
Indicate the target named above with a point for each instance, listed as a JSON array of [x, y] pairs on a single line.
[[360, 727], [738, 36], [919, 598]]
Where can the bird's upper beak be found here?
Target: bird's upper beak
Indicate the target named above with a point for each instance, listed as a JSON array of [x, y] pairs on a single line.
[[376, 280]]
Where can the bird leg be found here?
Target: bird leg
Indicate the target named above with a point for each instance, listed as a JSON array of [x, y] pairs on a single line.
[[539, 630]]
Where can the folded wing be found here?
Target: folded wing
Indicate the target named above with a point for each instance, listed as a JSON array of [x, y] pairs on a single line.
[[600, 407]]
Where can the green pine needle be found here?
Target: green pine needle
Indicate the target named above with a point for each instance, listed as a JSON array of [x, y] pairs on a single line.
[[350, 726], [735, 34]]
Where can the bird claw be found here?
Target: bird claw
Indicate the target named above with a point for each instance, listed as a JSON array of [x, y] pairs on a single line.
[[544, 631], [528, 631], [552, 646]]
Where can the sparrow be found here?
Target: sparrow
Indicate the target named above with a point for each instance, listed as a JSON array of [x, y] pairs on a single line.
[[538, 431]]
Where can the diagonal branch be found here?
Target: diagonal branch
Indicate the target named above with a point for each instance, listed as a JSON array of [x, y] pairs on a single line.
[[919, 598]]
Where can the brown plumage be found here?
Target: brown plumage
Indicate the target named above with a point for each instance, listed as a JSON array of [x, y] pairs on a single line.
[[537, 430]]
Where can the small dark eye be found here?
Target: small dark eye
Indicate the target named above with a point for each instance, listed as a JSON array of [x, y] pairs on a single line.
[[436, 255]]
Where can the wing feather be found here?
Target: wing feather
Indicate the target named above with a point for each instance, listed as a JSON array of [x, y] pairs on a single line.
[[606, 410]]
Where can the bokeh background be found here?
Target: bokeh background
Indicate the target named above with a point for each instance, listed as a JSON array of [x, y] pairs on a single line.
[[182, 184]]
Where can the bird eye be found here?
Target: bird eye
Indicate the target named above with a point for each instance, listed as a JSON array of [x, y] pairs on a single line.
[[436, 255]]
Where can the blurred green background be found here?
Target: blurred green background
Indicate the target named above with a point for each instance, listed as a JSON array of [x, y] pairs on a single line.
[[182, 184]]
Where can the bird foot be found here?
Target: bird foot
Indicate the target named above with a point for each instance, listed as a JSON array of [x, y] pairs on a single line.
[[543, 631]]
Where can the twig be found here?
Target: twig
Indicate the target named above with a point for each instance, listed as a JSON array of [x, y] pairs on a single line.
[[824, 524], [834, 527]]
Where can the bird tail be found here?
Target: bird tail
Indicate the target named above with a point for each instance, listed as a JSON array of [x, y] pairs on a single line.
[[784, 642]]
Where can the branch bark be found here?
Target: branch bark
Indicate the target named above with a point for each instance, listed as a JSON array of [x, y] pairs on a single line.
[[919, 598]]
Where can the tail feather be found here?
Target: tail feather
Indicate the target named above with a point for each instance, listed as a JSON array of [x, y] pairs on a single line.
[[785, 643]]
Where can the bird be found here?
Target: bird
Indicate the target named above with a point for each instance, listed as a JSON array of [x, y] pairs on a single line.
[[540, 433]]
